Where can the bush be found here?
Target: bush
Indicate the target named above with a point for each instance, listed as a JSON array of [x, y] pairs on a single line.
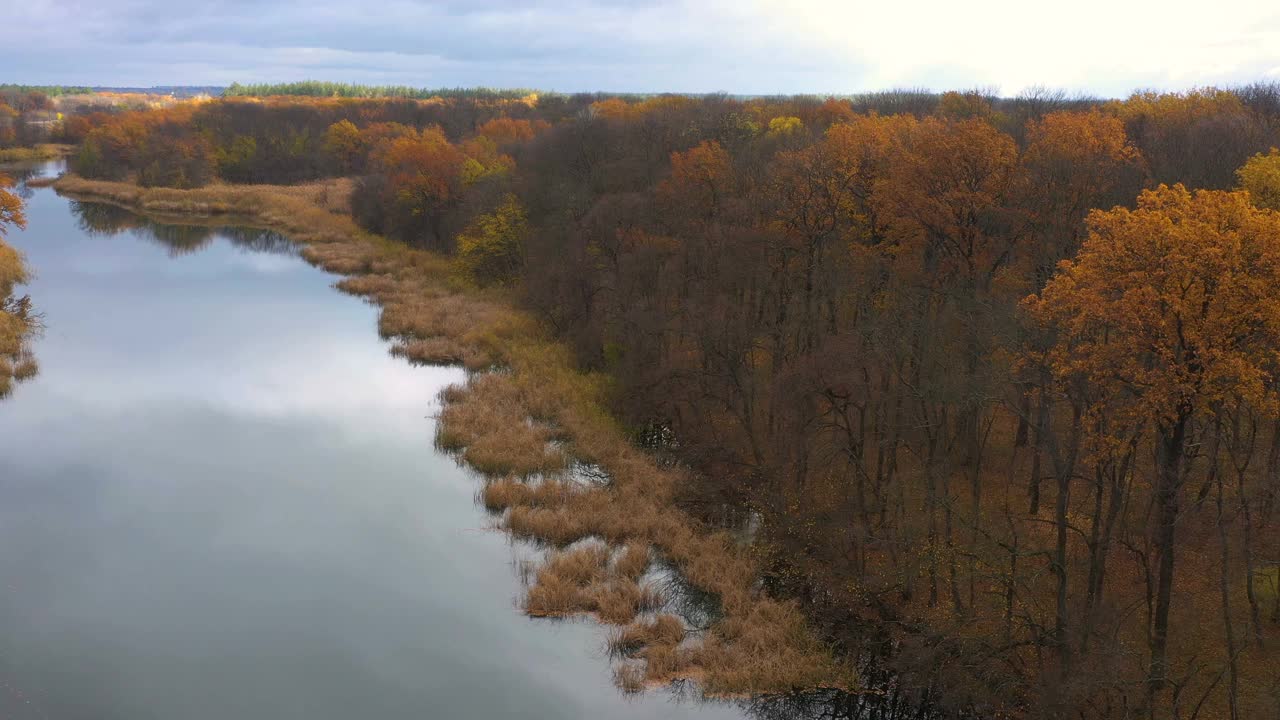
[[491, 249]]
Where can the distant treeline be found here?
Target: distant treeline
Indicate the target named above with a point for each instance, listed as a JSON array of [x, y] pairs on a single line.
[[317, 88], [50, 90]]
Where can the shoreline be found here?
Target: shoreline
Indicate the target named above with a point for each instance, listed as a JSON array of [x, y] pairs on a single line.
[[524, 419], [44, 151]]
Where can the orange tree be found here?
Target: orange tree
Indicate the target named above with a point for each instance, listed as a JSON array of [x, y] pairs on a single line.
[[1169, 311], [16, 323], [418, 181]]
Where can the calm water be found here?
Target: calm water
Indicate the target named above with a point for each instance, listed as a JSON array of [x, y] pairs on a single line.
[[219, 499]]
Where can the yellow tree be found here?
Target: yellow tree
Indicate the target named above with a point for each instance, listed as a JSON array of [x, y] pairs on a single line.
[[344, 146], [1169, 310], [491, 249], [785, 125], [16, 322], [1261, 177]]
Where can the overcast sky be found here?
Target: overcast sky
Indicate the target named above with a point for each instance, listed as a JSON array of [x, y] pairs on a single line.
[[1107, 47]]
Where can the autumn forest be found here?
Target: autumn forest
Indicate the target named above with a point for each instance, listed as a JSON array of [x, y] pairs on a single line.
[[997, 377]]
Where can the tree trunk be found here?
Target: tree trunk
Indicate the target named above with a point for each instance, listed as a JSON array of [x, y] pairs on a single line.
[[1233, 678], [1172, 446]]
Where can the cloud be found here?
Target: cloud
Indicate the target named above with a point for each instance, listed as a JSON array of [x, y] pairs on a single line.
[[747, 46]]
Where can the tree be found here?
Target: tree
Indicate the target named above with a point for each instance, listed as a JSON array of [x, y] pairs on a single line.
[[423, 182], [16, 321], [342, 143], [1198, 137], [964, 105], [783, 126], [1169, 311], [947, 195], [506, 131], [834, 111], [1074, 162], [491, 249], [701, 179], [1261, 177]]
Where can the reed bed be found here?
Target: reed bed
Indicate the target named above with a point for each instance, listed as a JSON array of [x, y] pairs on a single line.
[[520, 420], [46, 151]]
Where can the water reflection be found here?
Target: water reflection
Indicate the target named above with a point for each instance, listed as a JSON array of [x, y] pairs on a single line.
[[178, 239], [20, 173]]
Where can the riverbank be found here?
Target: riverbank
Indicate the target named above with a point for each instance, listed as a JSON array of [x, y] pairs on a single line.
[[48, 151], [529, 423]]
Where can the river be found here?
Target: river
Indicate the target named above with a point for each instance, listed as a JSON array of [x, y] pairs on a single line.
[[219, 499]]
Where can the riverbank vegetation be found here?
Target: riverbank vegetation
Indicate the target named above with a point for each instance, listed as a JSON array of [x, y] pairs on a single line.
[[43, 123], [17, 320], [42, 151], [995, 377]]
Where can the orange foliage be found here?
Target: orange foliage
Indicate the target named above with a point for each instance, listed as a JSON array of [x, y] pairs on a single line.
[[507, 130], [963, 106], [834, 111], [613, 109], [946, 191], [1075, 162], [701, 178], [1171, 306]]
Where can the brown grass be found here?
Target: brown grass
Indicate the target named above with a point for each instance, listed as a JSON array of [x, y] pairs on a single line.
[[25, 369], [502, 493], [664, 663], [582, 580], [620, 600], [558, 527], [662, 629], [492, 427], [632, 560], [47, 151], [630, 677], [528, 419]]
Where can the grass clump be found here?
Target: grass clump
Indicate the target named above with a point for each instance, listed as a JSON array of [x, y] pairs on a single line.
[[557, 527], [662, 629], [619, 602], [506, 492], [566, 581], [632, 560], [440, 351], [582, 580], [630, 678], [492, 428]]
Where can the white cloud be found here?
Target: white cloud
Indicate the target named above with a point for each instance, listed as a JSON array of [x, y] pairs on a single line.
[[755, 46], [1097, 45]]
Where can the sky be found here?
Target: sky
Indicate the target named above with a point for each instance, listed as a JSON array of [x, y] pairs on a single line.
[[1102, 47]]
